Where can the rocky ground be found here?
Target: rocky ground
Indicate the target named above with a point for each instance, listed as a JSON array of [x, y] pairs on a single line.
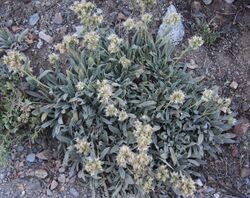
[[35, 170]]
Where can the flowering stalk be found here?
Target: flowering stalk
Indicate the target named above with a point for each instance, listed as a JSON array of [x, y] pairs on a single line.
[[181, 55], [36, 80]]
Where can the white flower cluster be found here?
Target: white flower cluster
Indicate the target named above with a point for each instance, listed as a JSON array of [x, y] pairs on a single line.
[[104, 94], [141, 162], [112, 111], [207, 95], [82, 146], [91, 40], [125, 156], [172, 19], [80, 86], [185, 186], [68, 41], [224, 104], [148, 185], [144, 3], [162, 173], [53, 58], [104, 91], [86, 12], [146, 18], [129, 24], [122, 116], [195, 42], [231, 120], [25, 109], [143, 133], [14, 60], [115, 42], [94, 166], [125, 62], [177, 97]]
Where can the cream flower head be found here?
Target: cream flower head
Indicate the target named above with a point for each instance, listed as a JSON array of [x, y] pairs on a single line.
[[172, 19], [82, 146], [129, 24], [14, 60], [93, 167], [177, 96], [53, 58], [195, 42]]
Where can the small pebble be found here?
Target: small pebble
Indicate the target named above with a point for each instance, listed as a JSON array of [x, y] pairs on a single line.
[[20, 148], [9, 23], [53, 185], [234, 85], [31, 157], [74, 192], [216, 195], [45, 37], [61, 170], [58, 19], [49, 192], [39, 44], [34, 19], [245, 172], [40, 173], [62, 178], [199, 182]]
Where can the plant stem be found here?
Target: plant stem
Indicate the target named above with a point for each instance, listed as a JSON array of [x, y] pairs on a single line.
[[182, 54], [35, 79]]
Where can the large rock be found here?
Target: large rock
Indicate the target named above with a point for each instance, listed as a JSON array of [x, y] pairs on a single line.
[[177, 31]]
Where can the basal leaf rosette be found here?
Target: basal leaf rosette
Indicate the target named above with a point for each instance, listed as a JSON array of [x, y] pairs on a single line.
[[132, 120]]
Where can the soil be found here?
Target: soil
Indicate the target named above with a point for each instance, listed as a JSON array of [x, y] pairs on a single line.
[[219, 63]]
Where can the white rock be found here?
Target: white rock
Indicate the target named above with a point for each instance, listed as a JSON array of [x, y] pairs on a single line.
[[53, 185], [40, 173], [217, 195], [39, 44], [58, 19], [234, 85], [177, 32], [199, 182], [62, 178]]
